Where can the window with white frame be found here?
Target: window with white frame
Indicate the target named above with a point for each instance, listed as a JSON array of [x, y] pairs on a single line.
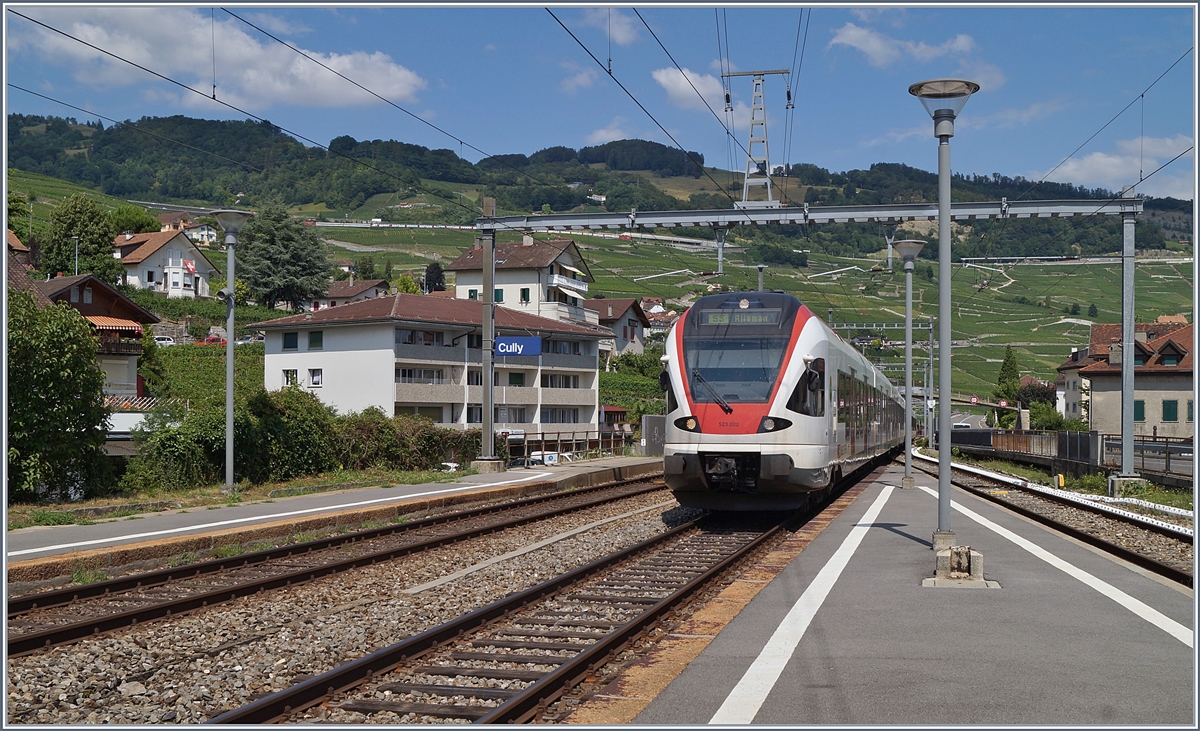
[[289, 376], [316, 377]]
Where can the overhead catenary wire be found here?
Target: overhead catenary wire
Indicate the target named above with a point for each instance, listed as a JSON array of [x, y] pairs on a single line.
[[389, 102], [255, 117]]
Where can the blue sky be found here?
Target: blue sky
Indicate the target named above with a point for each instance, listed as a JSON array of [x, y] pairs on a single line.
[[510, 80]]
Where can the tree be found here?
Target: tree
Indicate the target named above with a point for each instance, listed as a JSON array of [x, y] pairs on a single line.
[[18, 215], [1036, 393], [1009, 380], [407, 284], [435, 278], [387, 270], [282, 259], [133, 218], [366, 267], [150, 367], [56, 412], [1092, 310], [1075, 308], [81, 216]]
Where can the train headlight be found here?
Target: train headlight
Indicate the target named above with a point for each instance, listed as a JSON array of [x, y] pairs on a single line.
[[688, 423], [772, 423]]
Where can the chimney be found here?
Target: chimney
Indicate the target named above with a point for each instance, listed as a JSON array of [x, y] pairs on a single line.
[[128, 235], [1140, 336], [527, 240], [1114, 354], [610, 311]]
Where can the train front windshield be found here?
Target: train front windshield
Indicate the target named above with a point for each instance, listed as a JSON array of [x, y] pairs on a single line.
[[734, 345]]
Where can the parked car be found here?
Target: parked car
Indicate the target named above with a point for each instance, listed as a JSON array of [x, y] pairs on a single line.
[[526, 462], [163, 341], [214, 340], [249, 339]]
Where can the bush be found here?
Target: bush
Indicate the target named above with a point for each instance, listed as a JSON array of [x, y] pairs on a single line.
[[298, 431]]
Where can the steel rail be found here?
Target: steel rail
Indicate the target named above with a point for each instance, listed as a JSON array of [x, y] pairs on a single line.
[[45, 599], [314, 690], [33, 641], [1137, 559]]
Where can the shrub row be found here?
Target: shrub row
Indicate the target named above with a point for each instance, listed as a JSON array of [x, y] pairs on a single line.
[[281, 435]]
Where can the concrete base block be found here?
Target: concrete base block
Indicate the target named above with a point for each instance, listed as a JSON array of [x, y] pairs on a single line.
[[488, 465], [1117, 484], [907, 483], [959, 567], [942, 540]]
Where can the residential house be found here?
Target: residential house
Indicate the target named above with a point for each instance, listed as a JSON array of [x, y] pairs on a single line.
[[544, 278], [1163, 397], [345, 292], [624, 316], [1071, 389], [202, 234], [661, 318], [175, 221], [167, 262], [415, 354], [19, 281], [19, 250], [118, 321], [346, 265]]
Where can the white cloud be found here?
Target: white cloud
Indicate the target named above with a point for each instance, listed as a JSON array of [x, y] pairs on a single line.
[[1006, 118], [682, 94], [612, 132], [273, 24], [582, 78], [1114, 170], [622, 29], [988, 76], [882, 50], [252, 72]]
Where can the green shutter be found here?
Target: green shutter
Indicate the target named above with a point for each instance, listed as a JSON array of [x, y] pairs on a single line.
[[1139, 410], [1170, 410]]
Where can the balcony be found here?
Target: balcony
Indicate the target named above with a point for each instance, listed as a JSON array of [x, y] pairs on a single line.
[[119, 346], [574, 286], [426, 393], [568, 397], [429, 354]]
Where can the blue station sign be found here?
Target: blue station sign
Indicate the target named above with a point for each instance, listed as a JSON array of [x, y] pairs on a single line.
[[518, 346]]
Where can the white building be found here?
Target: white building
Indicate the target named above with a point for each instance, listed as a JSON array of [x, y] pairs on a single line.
[[345, 292], [203, 234], [624, 316], [166, 262], [545, 278], [416, 354]]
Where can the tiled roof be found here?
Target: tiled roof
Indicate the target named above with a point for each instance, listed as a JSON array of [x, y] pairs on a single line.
[[19, 281], [619, 305], [1103, 336], [54, 287], [433, 310], [517, 255], [344, 289], [14, 243], [147, 244], [1177, 340]]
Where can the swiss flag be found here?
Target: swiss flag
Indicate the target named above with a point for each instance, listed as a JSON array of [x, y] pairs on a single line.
[[190, 266]]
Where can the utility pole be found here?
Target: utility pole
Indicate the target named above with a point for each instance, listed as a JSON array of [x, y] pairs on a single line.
[[487, 461], [758, 137], [1128, 347]]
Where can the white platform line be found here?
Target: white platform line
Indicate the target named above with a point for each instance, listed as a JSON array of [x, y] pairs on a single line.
[[1141, 609], [746, 698], [272, 516]]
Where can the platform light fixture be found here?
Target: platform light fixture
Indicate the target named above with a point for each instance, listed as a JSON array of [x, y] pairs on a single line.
[[908, 250], [943, 99], [232, 221]]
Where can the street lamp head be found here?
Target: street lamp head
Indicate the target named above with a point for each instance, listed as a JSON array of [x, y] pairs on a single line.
[[943, 99], [908, 250], [232, 221]]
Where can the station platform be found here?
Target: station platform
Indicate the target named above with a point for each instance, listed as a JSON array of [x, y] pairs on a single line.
[[40, 554], [844, 632]]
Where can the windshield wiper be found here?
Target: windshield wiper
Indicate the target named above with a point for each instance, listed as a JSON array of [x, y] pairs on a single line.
[[720, 401]]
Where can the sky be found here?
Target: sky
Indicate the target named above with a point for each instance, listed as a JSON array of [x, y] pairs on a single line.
[[507, 80]]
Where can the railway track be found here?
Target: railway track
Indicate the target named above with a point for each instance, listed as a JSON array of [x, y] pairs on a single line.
[[505, 662], [1155, 545], [46, 619]]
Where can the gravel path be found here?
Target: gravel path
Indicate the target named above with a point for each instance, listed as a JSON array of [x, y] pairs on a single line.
[[192, 668]]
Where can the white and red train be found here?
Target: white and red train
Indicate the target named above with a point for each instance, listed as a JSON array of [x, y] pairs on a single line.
[[767, 406]]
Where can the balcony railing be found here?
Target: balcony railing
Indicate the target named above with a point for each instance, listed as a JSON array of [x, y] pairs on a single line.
[[558, 280], [113, 346]]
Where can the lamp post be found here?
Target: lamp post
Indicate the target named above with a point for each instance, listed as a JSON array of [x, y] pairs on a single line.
[[908, 250], [76, 240], [232, 222], [943, 99]]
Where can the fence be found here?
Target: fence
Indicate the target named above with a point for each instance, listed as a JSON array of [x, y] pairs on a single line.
[[1165, 455], [578, 445]]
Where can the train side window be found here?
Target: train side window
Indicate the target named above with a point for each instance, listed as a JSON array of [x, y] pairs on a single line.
[[664, 380], [809, 396]]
